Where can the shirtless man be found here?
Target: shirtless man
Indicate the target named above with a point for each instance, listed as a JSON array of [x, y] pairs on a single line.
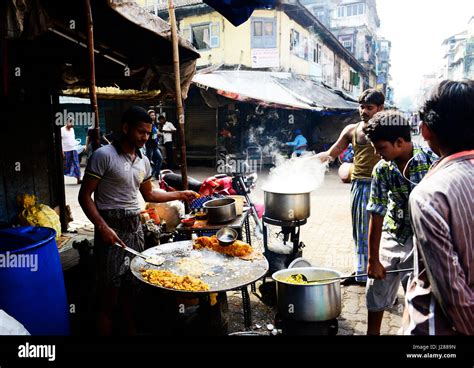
[[371, 101]]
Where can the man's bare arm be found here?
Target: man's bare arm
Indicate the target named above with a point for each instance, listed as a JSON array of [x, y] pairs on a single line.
[[151, 195], [339, 146], [375, 268]]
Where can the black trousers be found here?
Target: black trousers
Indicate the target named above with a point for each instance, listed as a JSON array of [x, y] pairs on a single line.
[[169, 155]]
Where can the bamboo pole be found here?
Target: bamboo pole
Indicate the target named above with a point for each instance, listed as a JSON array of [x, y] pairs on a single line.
[[92, 88], [179, 101]]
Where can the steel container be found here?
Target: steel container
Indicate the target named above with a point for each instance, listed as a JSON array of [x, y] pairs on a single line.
[[220, 210], [308, 302], [287, 206]]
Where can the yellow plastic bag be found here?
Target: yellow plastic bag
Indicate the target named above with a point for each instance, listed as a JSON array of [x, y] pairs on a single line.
[[35, 214]]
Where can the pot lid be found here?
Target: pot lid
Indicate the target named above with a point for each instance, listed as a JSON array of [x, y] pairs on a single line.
[[300, 262]]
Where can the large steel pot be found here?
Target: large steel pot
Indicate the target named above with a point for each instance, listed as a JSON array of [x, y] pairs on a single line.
[[310, 302], [287, 206], [220, 210]]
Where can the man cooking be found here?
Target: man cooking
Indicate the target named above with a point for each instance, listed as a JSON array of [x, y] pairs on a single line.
[[114, 174], [371, 101]]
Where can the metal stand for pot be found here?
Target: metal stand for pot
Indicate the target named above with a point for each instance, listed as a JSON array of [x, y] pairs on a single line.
[[291, 233]]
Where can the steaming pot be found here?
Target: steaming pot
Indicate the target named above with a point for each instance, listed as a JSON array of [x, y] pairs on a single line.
[[287, 206]]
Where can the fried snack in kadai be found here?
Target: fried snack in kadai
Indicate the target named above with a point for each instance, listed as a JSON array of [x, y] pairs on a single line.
[[236, 249], [169, 280]]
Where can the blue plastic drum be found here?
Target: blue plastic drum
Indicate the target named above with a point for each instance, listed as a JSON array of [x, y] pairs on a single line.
[[31, 280]]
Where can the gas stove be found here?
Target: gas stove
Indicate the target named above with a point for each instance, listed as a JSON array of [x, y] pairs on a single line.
[[281, 240]]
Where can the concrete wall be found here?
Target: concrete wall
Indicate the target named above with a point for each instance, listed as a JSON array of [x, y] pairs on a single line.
[[235, 42], [235, 47], [328, 66]]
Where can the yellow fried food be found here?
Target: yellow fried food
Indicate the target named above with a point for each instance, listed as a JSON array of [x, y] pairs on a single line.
[[298, 280], [170, 280], [295, 279], [236, 249]]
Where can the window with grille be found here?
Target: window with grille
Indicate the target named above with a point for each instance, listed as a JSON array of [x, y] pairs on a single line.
[[350, 10], [263, 33], [203, 36], [347, 42]]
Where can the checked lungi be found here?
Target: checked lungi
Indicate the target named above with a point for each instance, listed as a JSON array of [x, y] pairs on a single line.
[[360, 193], [113, 262], [71, 164]]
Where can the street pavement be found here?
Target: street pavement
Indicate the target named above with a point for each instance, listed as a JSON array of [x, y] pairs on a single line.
[[328, 240]]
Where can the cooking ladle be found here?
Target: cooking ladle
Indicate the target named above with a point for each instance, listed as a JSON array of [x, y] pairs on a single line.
[[153, 260], [305, 279]]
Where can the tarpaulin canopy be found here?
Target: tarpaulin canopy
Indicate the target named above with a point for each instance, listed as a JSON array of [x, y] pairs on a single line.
[[133, 47], [276, 89], [238, 11]]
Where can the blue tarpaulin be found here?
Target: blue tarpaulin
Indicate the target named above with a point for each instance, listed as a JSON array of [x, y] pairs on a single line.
[[238, 11]]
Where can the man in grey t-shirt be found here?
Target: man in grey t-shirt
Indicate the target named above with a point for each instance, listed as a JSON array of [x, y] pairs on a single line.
[[115, 174]]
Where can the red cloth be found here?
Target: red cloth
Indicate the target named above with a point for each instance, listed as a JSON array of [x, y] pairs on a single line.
[[214, 185]]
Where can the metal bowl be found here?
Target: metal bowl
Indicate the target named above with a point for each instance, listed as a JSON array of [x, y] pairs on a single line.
[[226, 236], [220, 210], [188, 220]]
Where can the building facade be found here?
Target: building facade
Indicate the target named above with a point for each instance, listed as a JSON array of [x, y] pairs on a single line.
[[356, 25], [221, 115], [459, 54], [383, 69], [288, 38]]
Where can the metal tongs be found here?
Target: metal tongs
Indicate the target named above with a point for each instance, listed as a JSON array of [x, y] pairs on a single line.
[[154, 260]]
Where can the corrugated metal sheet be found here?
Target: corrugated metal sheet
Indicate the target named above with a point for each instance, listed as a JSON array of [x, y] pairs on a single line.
[[283, 90]]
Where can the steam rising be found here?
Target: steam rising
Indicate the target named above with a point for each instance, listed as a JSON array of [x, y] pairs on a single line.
[[297, 175]]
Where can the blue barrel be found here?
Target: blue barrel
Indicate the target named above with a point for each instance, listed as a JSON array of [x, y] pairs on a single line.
[[31, 280]]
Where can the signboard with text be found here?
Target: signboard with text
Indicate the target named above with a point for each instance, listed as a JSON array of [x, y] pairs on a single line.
[[265, 58]]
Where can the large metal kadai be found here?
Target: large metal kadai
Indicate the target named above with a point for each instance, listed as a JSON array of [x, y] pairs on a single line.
[[221, 272]]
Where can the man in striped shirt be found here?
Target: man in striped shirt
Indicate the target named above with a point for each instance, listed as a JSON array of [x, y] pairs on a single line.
[[440, 296]]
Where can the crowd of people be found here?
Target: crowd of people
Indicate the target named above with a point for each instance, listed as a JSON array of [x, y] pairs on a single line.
[[158, 148]]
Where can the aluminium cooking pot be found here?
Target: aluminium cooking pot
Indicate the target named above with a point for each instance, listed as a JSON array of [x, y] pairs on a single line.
[[308, 302], [287, 206], [220, 210]]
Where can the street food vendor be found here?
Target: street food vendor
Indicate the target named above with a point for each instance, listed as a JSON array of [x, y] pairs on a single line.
[[115, 174]]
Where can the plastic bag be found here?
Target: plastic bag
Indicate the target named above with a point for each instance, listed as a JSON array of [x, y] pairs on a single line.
[[34, 214], [10, 326], [171, 212]]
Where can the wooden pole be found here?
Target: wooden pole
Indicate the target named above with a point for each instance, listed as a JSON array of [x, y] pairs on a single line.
[[179, 101], [92, 89], [59, 166]]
